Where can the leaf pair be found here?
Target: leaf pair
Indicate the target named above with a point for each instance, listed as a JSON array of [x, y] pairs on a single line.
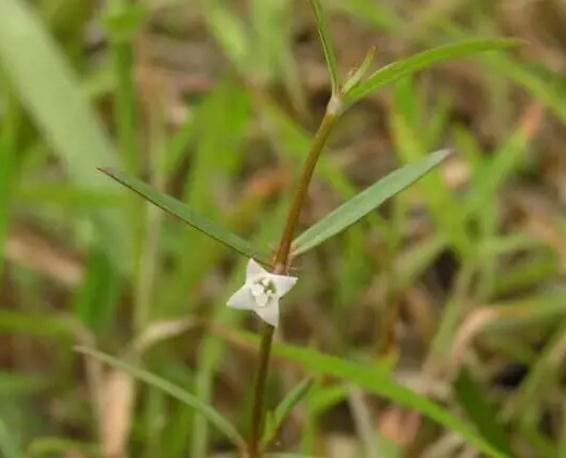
[[334, 223], [356, 87]]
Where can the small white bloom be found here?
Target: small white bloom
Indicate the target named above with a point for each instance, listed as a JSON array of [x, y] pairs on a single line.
[[261, 292]]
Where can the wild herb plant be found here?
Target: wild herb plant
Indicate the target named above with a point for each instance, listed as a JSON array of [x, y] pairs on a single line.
[[345, 92], [269, 277]]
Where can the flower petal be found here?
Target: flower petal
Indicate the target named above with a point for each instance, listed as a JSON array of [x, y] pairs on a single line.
[[283, 283], [241, 299], [269, 313], [254, 269]]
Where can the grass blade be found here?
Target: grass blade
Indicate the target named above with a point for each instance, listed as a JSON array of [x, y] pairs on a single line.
[[44, 325], [184, 213], [284, 409], [368, 200], [439, 199], [381, 383], [230, 32], [288, 455], [324, 33], [8, 447], [425, 59], [379, 15], [28, 54], [173, 390], [61, 446], [13, 384], [483, 415], [378, 381]]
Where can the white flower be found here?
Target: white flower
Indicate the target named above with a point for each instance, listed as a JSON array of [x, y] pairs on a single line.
[[261, 292]]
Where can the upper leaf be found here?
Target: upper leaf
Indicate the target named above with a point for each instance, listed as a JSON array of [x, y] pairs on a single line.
[[323, 31], [420, 61], [181, 211], [366, 201], [358, 74]]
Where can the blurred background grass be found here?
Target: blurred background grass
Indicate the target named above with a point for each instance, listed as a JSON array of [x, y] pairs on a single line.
[[457, 284]]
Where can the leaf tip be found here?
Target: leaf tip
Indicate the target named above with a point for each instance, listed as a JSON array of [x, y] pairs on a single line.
[[106, 170], [81, 349], [515, 42], [445, 153]]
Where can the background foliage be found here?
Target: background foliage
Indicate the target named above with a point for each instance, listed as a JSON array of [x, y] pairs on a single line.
[[454, 289]]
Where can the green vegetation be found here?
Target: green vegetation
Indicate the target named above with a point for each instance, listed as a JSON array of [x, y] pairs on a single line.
[[428, 319]]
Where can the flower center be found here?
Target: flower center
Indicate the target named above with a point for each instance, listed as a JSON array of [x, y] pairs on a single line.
[[263, 289]]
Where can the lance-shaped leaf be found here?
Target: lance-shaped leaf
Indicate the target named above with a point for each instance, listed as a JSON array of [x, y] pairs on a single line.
[[275, 421], [221, 423], [8, 446], [358, 74], [184, 213], [324, 33], [377, 380], [480, 411], [425, 59], [368, 200]]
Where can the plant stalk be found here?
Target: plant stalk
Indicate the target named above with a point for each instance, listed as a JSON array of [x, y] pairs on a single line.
[[320, 138], [281, 266]]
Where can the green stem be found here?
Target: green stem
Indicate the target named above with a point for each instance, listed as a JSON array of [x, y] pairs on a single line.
[[259, 390], [125, 104], [330, 118], [281, 266], [125, 100]]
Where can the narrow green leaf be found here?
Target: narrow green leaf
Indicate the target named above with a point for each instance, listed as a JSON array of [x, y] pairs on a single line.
[[368, 200], [8, 446], [425, 59], [9, 152], [14, 384], [380, 382], [184, 213], [481, 413], [173, 390], [230, 32], [496, 169], [379, 15], [43, 80], [96, 299], [410, 145], [270, 24], [542, 86], [359, 73], [288, 455], [324, 33], [61, 446], [284, 409], [45, 325]]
